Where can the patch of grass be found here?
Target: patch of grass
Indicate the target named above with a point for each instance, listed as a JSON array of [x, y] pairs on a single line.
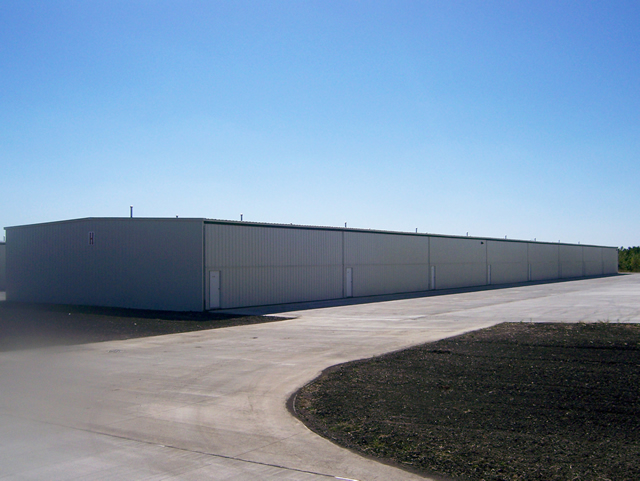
[[517, 401]]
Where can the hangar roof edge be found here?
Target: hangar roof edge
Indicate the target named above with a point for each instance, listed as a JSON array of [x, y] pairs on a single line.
[[379, 231], [114, 219], [299, 226]]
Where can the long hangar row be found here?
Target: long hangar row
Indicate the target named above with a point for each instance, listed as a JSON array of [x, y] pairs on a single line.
[[201, 264]]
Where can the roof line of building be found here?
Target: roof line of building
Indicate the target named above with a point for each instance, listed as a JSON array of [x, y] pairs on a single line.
[[306, 227], [379, 231]]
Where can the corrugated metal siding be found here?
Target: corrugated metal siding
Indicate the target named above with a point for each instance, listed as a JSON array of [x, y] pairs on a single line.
[[508, 261], [458, 262], [544, 260], [386, 263], [449, 276], [363, 248], [241, 287], [270, 265], [3, 266], [252, 246], [372, 280], [451, 250], [49, 263], [610, 260], [570, 261], [133, 263], [593, 265], [162, 264]]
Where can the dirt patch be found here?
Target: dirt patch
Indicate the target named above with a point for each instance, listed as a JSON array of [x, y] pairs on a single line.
[[517, 401], [24, 326]]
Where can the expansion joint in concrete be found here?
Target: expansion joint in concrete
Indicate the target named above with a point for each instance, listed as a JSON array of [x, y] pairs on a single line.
[[195, 451]]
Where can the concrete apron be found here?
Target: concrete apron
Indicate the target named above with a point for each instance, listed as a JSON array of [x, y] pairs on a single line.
[[211, 404]]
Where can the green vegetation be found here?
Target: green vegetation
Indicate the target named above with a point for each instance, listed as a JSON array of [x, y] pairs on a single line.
[[629, 259]]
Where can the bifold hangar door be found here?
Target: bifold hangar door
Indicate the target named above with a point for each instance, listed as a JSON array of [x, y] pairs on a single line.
[[261, 265]]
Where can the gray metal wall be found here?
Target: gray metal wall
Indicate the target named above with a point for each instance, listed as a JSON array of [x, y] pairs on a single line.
[[609, 260], [386, 263], [507, 262], [269, 265], [135, 263], [179, 264], [458, 262], [593, 262], [3, 266], [570, 261], [262, 264], [544, 260]]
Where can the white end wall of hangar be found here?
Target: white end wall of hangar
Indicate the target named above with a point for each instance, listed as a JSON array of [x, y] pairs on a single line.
[[3, 266], [115, 262], [200, 264]]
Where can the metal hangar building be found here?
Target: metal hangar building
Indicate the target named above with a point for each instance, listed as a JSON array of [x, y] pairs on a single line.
[[202, 264], [3, 266]]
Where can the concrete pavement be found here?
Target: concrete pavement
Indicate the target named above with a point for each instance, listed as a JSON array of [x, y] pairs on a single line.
[[211, 404]]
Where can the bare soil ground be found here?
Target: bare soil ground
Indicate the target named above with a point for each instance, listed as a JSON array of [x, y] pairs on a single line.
[[513, 402], [24, 326]]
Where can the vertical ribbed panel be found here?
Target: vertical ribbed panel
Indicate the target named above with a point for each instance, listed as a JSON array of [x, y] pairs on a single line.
[[544, 261], [508, 261], [592, 258], [387, 263], [3, 266], [570, 261], [134, 263], [364, 248], [270, 265], [459, 262], [609, 260], [158, 263]]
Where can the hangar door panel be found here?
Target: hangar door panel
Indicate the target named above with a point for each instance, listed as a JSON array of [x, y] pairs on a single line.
[[214, 289]]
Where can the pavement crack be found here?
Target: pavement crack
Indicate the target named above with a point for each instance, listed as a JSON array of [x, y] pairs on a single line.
[[194, 451], [267, 445]]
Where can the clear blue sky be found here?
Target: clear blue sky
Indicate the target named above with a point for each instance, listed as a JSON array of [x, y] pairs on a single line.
[[493, 118]]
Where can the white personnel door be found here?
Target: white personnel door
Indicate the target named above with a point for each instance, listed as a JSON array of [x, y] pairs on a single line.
[[433, 277], [214, 289], [349, 282]]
